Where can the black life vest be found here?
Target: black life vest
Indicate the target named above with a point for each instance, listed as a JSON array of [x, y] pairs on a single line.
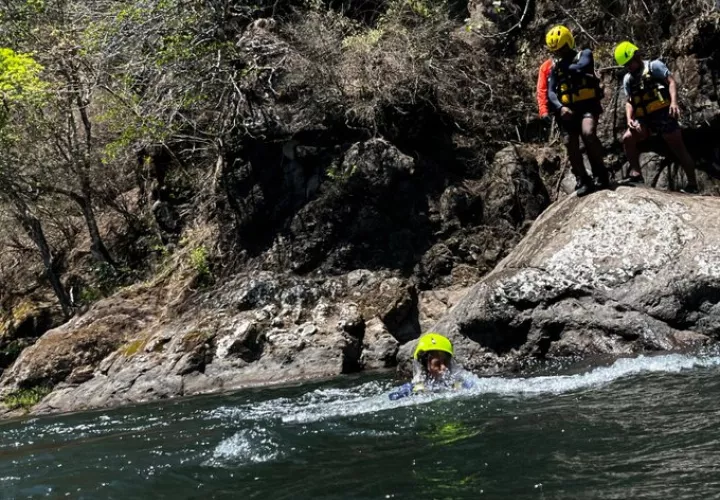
[[647, 93], [572, 88]]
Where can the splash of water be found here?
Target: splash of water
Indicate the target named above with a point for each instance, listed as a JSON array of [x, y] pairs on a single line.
[[244, 447], [324, 404]]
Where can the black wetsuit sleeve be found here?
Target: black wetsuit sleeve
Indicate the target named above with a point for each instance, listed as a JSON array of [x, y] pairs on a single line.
[[585, 64], [552, 96]]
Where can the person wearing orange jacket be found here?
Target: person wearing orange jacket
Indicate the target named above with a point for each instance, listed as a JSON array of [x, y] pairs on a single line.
[[542, 90], [574, 95]]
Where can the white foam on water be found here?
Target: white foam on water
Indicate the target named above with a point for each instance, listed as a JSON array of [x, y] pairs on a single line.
[[598, 377], [324, 404], [249, 446]]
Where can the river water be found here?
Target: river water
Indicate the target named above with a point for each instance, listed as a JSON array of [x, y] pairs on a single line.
[[639, 428]]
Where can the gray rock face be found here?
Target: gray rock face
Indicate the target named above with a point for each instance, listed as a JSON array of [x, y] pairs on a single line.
[[513, 189], [257, 329], [617, 272], [379, 346]]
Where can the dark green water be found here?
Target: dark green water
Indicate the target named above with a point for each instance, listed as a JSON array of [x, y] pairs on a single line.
[[641, 428]]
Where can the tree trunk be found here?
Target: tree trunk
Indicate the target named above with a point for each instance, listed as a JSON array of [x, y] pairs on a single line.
[[97, 246], [33, 228]]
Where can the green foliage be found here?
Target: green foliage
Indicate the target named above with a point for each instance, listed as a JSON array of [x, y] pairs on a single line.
[[340, 174], [11, 351], [425, 9], [398, 14], [20, 84], [420, 7], [108, 279], [20, 77], [363, 41], [23, 311], [161, 250], [90, 294], [26, 398], [199, 258]]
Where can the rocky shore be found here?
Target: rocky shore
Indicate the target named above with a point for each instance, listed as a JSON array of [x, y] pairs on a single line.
[[621, 272]]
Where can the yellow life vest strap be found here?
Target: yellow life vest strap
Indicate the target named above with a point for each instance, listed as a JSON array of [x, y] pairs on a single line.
[[646, 101]]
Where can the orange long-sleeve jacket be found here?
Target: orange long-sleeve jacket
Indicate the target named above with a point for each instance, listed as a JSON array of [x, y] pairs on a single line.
[[542, 87]]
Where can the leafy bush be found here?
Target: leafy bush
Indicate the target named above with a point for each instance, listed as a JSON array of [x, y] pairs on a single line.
[[26, 398], [199, 259]]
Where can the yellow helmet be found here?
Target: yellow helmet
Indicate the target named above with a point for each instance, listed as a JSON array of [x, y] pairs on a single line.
[[432, 342], [558, 37], [624, 52]]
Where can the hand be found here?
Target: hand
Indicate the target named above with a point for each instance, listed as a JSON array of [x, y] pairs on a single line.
[[674, 111], [401, 392], [634, 125], [566, 113]]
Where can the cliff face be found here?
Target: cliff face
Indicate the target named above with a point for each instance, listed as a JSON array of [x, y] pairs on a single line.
[[344, 176]]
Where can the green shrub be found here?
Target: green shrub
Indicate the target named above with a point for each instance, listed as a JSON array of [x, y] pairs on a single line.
[[26, 398], [89, 294], [199, 258], [108, 278]]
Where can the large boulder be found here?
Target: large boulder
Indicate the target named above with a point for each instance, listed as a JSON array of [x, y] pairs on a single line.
[[618, 272]]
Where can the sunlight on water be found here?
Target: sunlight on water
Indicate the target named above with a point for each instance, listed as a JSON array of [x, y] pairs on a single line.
[[246, 446]]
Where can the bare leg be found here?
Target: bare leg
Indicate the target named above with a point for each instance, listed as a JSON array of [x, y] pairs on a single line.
[[630, 140], [676, 144], [594, 148]]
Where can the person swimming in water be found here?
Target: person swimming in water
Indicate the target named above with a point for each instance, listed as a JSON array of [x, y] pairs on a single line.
[[434, 368]]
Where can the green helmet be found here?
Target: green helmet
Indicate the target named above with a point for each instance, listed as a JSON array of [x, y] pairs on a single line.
[[432, 342], [624, 52]]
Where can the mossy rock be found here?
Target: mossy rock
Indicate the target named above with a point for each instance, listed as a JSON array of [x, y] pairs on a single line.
[[26, 398], [131, 349], [196, 338], [26, 320], [23, 311], [9, 320]]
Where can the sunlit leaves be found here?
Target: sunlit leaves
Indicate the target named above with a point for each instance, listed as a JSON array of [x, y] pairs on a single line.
[[20, 77]]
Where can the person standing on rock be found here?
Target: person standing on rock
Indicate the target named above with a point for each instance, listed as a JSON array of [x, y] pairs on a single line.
[[434, 368], [542, 90], [574, 94], [651, 108]]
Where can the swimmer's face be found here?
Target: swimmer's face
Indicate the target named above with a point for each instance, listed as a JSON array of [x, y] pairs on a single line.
[[438, 363]]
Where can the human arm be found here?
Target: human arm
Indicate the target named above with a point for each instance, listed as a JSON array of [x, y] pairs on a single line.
[[551, 94], [403, 391], [674, 107], [555, 103], [660, 71], [542, 88], [585, 64], [629, 110], [630, 116]]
